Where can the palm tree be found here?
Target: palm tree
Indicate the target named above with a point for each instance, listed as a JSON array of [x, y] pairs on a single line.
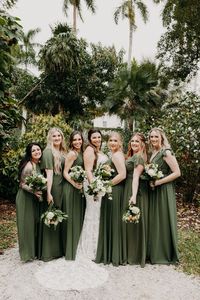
[[8, 3], [135, 92], [127, 10], [77, 9], [62, 51], [27, 56]]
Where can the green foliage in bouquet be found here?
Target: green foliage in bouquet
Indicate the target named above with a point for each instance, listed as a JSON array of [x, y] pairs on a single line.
[[53, 216], [132, 214]]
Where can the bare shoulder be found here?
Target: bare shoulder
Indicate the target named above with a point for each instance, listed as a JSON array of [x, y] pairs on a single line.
[[88, 151], [118, 156], [71, 155]]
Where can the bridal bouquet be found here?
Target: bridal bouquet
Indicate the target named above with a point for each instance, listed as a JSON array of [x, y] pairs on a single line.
[[53, 216], [132, 214], [36, 182], [104, 171], [98, 188], [77, 173]]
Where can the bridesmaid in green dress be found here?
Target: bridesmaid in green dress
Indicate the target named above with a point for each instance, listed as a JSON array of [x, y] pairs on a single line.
[[53, 163], [73, 198], [162, 205], [136, 192], [27, 204], [109, 248]]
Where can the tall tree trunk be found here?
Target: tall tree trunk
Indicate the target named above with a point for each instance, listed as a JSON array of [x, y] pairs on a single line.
[[130, 45], [24, 110], [74, 18], [24, 118], [131, 122]]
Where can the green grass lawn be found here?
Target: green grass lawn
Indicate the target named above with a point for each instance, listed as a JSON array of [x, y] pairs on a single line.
[[189, 250]]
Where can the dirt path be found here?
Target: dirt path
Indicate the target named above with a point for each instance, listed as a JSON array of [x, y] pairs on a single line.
[[18, 281]]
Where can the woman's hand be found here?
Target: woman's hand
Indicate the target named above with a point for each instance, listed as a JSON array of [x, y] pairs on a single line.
[[49, 198], [38, 194], [132, 200], [77, 185]]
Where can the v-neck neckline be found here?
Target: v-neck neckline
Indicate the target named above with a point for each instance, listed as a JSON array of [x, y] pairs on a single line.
[[152, 158]]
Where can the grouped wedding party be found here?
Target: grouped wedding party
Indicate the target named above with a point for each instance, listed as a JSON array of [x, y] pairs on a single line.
[[101, 208]]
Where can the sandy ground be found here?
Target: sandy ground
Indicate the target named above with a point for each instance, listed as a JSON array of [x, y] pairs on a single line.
[[18, 281]]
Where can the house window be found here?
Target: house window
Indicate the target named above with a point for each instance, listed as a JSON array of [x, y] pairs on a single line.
[[104, 124]]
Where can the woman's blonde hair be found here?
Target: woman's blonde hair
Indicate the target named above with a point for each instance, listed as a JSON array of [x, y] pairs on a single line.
[[142, 143], [119, 137], [164, 141], [57, 154]]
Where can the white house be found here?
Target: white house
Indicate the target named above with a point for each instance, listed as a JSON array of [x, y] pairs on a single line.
[[107, 121]]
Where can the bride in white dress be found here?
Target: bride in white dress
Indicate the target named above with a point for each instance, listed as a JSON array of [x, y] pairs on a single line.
[[82, 273], [89, 236]]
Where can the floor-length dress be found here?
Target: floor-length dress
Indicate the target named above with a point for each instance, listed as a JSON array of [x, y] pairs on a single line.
[[135, 235], [110, 232], [27, 210], [162, 218], [90, 232], [50, 244], [74, 205]]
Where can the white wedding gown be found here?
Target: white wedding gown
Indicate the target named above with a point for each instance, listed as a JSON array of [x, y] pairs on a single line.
[[87, 246], [82, 273]]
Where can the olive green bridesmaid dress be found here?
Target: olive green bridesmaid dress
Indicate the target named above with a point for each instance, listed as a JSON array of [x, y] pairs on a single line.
[[27, 210], [163, 218], [74, 206], [135, 235], [50, 244], [109, 249]]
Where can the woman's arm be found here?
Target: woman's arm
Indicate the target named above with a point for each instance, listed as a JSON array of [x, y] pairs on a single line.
[[135, 182], [49, 174], [119, 162], [173, 164], [69, 160], [89, 159]]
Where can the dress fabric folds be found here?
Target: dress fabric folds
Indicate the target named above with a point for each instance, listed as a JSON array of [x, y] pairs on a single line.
[[110, 231], [135, 235], [74, 205], [163, 218], [50, 240]]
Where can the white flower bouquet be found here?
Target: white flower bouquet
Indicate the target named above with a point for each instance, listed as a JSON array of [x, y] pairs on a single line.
[[53, 216], [36, 182], [98, 188], [77, 173], [152, 171], [132, 214], [104, 171]]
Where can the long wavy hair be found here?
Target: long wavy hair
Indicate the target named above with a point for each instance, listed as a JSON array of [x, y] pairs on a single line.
[[143, 151], [90, 132], [57, 154], [164, 141], [71, 138], [27, 157]]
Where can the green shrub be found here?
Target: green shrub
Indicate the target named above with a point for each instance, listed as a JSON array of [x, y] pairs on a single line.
[[36, 132], [180, 119]]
